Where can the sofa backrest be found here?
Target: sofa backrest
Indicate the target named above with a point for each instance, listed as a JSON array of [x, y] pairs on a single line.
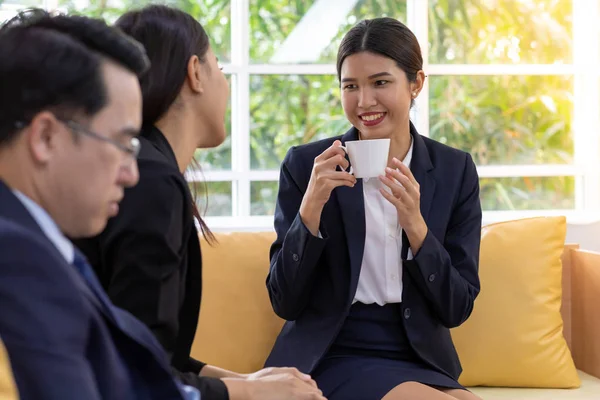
[[237, 326], [565, 309]]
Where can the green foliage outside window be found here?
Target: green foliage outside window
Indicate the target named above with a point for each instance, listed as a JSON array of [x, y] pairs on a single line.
[[498, 119]]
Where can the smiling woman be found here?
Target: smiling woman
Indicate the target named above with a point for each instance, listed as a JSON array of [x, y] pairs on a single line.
[[379, 268]]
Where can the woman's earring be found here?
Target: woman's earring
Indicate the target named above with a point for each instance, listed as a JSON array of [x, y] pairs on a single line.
[[414, 94]]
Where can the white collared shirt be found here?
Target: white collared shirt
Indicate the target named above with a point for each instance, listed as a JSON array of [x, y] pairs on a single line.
[[380, 279]]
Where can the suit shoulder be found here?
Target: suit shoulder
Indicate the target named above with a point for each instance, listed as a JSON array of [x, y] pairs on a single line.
[[30, 254], [20, 239], [157, 186], [160, 181], [153, 162], [158, 206], [39, 294]]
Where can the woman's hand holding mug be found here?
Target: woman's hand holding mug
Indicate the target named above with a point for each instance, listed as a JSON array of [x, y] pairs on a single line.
[[325, 177]]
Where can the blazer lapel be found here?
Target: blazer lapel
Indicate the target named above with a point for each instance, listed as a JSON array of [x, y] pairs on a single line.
[[12, 209], [420, 167], [352, 208]]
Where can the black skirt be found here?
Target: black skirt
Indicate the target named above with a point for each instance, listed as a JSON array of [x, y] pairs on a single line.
[[372, 355]]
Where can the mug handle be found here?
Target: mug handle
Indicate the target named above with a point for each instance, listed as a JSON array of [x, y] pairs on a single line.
[[351, 170]]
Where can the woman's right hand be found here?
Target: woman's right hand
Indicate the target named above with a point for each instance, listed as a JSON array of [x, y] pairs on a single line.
[[284, 386], [324, 178]]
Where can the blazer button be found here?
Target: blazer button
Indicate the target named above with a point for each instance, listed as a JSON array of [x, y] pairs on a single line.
[[431, 277], [406, 313], [295, 257]]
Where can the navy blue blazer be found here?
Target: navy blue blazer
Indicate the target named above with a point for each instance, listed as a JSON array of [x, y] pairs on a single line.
[[312, 281], [61, 341]]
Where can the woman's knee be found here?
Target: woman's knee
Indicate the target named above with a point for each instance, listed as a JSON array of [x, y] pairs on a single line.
[[416, 391], [461, 394]]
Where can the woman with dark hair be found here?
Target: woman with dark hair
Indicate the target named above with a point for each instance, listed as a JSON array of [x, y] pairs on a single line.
[[372, 273], [148, 257]]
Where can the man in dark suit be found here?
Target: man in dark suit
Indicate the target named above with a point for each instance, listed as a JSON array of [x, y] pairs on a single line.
[[71, 109]]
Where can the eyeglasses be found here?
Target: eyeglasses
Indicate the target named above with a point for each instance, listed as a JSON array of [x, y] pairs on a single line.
[[134, 144]]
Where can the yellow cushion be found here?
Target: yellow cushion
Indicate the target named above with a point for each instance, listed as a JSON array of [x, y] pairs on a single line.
[[514, 337], [237, 326], [589, 390], [8, 390]]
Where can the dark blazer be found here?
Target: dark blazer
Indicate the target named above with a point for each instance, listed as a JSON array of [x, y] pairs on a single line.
[[62, 343], [312, 281], [148, 258]]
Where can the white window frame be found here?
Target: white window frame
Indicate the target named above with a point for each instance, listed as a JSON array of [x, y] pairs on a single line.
[[585, 70]]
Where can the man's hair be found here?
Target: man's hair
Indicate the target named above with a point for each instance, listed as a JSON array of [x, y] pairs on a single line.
[[54, 62]]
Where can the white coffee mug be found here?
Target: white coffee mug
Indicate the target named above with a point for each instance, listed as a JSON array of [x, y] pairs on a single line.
[[368, 158]]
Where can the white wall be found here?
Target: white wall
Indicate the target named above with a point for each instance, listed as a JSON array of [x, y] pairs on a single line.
[[587, 235], [581, 229]]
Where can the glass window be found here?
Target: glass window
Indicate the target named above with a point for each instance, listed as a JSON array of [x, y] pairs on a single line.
[[309, 31], [218, 158], [504, 119], [212, 198], [214, 15], [508, 118], [500, 31], [289, 110], [10, 8], [527, 193], [263, 197]]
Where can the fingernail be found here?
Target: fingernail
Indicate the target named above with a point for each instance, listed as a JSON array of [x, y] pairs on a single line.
[[388, 169], [396, 160]]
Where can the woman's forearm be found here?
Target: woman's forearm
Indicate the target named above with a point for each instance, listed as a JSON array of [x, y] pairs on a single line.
[[216, 372]]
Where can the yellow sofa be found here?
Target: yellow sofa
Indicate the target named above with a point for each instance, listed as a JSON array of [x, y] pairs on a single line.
[[8, 389], [237, 326]]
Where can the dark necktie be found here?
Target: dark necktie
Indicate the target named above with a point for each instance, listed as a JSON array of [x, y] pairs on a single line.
[[85, 269]]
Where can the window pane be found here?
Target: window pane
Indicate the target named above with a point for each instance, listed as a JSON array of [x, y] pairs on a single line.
[[220, 157], [289, 110], [538, 193], [528, 193], [263, 196], [309, 31], [213, 14], [507, 31], [213, 198], [504, 119], [10, 8]]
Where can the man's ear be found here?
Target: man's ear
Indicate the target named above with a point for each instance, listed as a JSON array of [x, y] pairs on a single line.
[[41, 136]]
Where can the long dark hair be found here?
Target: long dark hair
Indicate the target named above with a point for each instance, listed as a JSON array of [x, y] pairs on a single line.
[[387, 37], [171, 37]]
